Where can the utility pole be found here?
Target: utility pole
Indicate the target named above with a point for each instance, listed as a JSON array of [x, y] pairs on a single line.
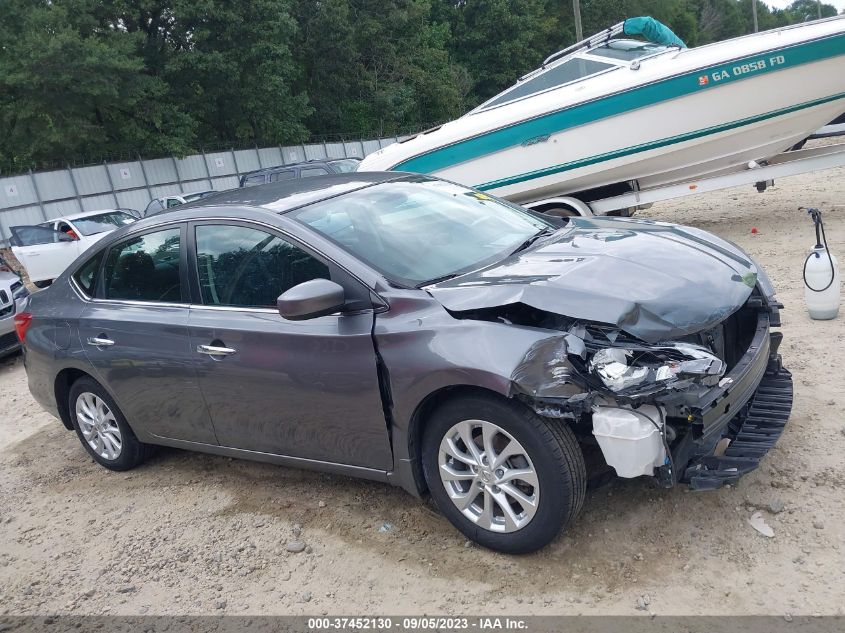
[[754, 14], [819, 4], [579, 30]]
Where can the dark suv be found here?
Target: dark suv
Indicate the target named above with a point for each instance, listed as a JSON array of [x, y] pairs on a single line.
[[300, 170]]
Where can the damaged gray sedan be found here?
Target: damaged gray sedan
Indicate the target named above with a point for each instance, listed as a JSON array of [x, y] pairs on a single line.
[[409, 330]]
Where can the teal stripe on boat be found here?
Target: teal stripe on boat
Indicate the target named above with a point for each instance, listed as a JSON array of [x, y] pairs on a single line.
[[615, 104], [644, 147]]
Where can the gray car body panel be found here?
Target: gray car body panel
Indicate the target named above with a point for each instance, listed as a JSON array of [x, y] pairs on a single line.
[[359, 415]]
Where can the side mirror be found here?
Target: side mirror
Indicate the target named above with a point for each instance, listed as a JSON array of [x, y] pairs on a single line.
[[310, 299]]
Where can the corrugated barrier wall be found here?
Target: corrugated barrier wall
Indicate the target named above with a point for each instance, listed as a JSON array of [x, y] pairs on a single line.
[[39, 196]]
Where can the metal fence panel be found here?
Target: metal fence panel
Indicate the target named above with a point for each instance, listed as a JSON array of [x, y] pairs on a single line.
[[59, 209], [17, 217], [354, 149], [247, 160], [335, 150], [17, 191], [191, 167], [32, 198], [220, 163], [136, 199], [293, 154], [227, 182], [160, 170], [96, 203], [315, 152], [164, 190], [54, 185], [270, 156], [196, 185], [91, 180], [370, 146], [126, 175]]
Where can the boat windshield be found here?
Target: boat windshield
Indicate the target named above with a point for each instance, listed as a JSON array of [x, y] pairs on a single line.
[[627, 50], [566, 72]]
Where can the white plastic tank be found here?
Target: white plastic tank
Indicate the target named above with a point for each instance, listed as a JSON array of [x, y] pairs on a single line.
[[629, 440], [822, 292]]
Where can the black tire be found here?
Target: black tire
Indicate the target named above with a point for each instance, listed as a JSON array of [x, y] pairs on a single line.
[[561, 212], [132, 451], [551, 447]]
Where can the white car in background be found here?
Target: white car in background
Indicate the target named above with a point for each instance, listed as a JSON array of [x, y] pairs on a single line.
[[46, 249], [157, 205]]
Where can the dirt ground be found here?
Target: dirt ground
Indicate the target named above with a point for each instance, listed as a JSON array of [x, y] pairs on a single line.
[[190, 533]]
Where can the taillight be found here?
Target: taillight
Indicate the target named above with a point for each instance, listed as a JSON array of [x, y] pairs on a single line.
[[22, 322]]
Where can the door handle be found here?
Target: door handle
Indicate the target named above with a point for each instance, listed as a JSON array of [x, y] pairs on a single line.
[[213, 350], [97, 341]]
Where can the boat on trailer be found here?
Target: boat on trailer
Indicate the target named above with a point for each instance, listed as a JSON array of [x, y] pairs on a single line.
[[611, 114]]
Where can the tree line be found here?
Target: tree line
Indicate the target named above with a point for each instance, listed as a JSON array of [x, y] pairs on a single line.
[[89, 78]]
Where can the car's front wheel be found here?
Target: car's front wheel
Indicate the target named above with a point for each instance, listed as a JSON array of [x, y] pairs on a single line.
[[102, 429], [505, 477]]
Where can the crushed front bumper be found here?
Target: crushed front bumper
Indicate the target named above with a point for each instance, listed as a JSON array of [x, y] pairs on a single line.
[[752, 432], [747, 412]]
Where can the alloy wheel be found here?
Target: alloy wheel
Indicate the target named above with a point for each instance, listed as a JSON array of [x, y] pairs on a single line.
[[98, 426], [489, 476]]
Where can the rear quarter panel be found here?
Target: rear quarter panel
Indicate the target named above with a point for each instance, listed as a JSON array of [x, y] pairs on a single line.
[[51, 341]]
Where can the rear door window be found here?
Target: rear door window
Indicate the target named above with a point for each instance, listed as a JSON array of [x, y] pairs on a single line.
[[145, 268]]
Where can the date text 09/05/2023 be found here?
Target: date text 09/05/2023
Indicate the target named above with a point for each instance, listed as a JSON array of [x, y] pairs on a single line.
[[421, 623]]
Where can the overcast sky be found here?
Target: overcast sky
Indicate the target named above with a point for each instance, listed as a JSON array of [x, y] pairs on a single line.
[[780, 4]]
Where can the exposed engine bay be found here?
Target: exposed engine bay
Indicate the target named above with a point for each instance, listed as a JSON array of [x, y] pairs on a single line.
[[645, 404]]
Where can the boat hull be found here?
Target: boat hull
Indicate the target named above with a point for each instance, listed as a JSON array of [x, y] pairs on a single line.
[[724, 106]]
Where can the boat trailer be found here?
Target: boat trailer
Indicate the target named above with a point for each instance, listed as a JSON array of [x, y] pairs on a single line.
[[761, 175]]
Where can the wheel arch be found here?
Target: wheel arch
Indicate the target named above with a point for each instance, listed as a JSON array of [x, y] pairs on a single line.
[[423, 412], [61, 388], [561, 207]]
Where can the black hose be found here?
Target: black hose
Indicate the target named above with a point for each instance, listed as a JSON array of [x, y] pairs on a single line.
[[817, 218]]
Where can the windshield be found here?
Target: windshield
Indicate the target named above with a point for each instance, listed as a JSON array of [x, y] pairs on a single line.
[[415, 231], [102, 222], [563, 73], [627, 50], [345, 166]]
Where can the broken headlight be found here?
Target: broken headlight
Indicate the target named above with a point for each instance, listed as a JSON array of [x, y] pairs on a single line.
[[666, 365]]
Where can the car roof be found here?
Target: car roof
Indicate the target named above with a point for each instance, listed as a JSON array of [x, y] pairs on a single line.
[[290, 194], [305, 163]]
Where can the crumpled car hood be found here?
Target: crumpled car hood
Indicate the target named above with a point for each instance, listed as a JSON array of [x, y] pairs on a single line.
[[653, 280]]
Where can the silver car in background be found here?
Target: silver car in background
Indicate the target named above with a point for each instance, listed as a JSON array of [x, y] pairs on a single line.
[[13, 294]]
